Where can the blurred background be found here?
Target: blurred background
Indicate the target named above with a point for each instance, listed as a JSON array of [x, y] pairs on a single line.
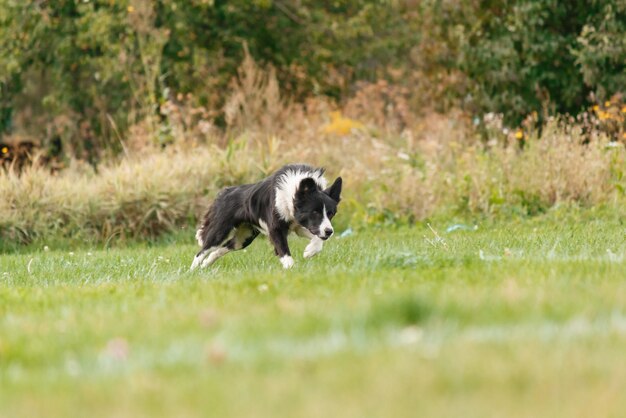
[[430, 106]]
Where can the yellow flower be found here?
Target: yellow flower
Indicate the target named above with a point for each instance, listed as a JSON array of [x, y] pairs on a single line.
[[624, 109], [596, 108], [341, 125], [519, 134], [130, 9], [5, 150], [607, 104]]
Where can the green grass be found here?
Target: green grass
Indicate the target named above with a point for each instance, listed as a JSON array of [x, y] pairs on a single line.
[[516, 319]]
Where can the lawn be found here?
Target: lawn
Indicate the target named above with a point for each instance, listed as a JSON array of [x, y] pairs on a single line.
[[523, 318]]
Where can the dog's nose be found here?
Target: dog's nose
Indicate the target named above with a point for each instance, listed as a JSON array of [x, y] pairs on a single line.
[[328, 232]]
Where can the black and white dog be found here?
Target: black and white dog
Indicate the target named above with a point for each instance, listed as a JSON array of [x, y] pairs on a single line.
[[293, 199]]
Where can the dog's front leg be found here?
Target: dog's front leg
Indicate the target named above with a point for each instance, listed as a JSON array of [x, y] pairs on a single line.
[[314, 247], [278, 236], [316, 244]]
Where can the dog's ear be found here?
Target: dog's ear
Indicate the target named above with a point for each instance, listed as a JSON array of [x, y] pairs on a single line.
[[334, 191], [306, 186]]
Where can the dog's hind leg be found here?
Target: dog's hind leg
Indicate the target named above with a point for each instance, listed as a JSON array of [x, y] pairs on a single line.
[[200, 257], [242, 237], [215, 240], [220, 251]]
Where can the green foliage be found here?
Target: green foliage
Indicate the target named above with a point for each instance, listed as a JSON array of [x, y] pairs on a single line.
[[85, 71], [75, 60], [104, 65], [601, 49], [525, 56]]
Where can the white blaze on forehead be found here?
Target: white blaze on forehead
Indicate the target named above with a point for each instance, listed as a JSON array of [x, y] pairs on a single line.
[[287, 186], [325, 223]]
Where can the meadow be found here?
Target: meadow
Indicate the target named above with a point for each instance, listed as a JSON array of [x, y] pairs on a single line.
[[512, 318], [479, 262]]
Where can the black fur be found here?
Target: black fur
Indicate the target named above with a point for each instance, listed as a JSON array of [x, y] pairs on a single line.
[[235, 217]]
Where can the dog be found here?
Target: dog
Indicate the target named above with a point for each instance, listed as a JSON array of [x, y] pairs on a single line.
[[293, 199]]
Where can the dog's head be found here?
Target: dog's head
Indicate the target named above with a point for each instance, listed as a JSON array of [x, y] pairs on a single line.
[[314, 207]]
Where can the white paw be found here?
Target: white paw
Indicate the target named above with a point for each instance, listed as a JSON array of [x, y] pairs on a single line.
[[310, 252], [196, 263], [314, 247], [214, 256], [286, 261]]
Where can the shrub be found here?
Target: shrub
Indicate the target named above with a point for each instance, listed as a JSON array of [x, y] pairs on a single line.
[[86, 72], [439, 167], [525, 56]]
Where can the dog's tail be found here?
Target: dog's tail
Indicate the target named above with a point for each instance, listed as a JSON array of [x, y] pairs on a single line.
[[202, 231], [199, 236]]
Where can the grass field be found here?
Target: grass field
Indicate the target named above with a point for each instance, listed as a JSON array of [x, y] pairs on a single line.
[[516, 319]]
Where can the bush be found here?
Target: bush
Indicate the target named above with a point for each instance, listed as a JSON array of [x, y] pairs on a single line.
[[85, 73], [438, 167], [529, 56]]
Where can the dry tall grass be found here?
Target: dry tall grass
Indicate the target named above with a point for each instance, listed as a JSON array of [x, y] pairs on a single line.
[[410, 169]]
